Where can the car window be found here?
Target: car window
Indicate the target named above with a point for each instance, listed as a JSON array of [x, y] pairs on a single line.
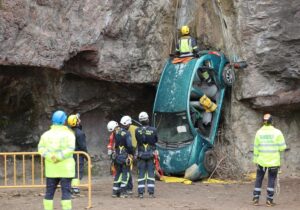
[[173, 127]]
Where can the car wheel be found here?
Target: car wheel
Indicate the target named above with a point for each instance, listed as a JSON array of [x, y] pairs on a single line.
[[210, 161], [228, 75]]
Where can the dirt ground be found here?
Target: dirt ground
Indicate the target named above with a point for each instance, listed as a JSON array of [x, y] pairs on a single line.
[[169, 196]]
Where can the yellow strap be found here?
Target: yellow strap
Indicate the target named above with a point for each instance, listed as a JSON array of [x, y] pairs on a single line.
[[145, 146]]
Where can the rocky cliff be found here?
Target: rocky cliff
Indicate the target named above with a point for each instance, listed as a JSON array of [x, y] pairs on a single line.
[[103, 58]]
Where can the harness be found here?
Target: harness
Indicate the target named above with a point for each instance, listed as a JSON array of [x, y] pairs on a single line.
[[145, 151]]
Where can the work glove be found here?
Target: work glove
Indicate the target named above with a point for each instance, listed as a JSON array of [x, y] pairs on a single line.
[[135, 155], [109, 152], [113, 155], [54, 159], [155, 153]]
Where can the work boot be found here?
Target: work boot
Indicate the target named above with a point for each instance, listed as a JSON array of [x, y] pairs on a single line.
[[151, 195], [255, 201], [123, 195], [75, 191], [115, 195], [141, 195], [270, 203]]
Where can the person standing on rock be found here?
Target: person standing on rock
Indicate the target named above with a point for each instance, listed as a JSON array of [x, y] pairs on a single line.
[[269, 143], [146, 139], [57, 146], [74, 124], [187, 45], [122, 158]]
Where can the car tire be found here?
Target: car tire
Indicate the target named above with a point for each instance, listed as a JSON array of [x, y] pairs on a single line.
[[228, 75], [210, 161]]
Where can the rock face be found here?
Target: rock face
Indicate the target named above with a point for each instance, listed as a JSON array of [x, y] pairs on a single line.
[[100, 58], [126, 37]]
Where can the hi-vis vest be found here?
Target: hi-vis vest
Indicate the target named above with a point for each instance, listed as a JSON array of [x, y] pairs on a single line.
[[185, 45], [60, 142], [268, 144]]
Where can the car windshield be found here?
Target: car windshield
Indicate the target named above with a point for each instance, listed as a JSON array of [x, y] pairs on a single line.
[[173, 127]]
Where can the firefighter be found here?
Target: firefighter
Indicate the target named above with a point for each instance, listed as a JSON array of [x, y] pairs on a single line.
[[110, 151], [122, 158], [126, 122], [57, 146], [269, 143], [187, 45], [146, 139], [80, 145]]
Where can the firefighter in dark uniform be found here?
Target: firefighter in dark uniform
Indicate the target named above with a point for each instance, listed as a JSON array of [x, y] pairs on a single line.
[[74, 123], [123, 157], [146, 137]]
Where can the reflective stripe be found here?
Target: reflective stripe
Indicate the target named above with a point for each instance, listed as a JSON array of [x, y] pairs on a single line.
[[116, 182], [152, 179], [123, 185], [141, 186], [268, 151], [61, 154], [45, 153], [141, 179], [256, 196], [150, 185], [271, 197], [257, 189], [116, 188], [268, 145], [270, 189]]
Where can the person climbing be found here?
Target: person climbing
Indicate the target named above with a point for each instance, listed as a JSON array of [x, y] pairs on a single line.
[[146, 139], [123, 158], [74, 123], [126, 122], [269, 143], [187, 45], [57, 146]]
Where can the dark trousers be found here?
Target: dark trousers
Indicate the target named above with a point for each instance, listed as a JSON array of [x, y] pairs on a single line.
[[121, 178], [272, 175], [146, 173], [81, 166], [130, 184], [51, 185]]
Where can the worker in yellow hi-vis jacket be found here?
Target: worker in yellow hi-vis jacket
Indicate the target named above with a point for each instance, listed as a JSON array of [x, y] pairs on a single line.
[[268, 144], [57, 146]]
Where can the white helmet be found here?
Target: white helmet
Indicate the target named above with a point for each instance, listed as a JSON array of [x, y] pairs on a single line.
[[126, 120], [111, 125], [143, 116]]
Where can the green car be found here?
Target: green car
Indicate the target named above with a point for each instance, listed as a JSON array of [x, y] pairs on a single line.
[[186, 129]]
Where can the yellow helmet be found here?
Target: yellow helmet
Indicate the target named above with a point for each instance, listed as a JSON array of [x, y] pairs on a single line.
[[185, 30], [72, 120]]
